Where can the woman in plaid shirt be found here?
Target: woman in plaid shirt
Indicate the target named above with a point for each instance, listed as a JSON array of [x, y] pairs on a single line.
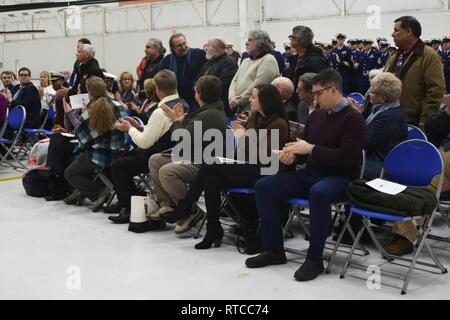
[[99, 141]]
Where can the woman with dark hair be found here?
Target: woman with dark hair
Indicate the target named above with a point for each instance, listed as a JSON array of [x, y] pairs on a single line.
[[268, 122]]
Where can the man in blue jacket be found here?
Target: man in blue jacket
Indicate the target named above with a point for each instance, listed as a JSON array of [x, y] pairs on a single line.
[[186, 63]]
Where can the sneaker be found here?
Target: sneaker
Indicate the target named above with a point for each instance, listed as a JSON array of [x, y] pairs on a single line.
[[267, 258], [101, 199], [190, 222], [156, 216], [399, 246], [310, 270], [74, 198]]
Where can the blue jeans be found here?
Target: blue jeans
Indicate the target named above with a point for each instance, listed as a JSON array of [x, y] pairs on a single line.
[[272, 191]]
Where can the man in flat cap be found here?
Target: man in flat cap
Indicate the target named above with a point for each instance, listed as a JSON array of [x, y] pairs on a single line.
[[341, 60]]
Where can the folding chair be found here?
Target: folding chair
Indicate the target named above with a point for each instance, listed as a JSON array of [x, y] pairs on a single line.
[[232, 212], [5, 125], [16, 120], [51, 114], [415, 133], [411, 163]]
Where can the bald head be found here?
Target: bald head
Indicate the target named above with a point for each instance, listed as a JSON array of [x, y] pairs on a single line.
[[215, 48], [285, 87]]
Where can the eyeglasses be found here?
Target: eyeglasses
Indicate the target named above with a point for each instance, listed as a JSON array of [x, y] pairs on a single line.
[[319, 92], [292, 37]]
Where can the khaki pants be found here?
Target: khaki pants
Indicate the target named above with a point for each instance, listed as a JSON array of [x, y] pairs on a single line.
[[170, 179], [407, 229]]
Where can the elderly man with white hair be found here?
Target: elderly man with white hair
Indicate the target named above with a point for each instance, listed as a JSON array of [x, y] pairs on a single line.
[[88, 67], [261, 68], [220, 65], [286, 88]]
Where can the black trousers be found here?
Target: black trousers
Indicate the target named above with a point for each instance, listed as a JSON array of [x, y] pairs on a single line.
[[213, 179], [60, 153], [123, 170], [80, 174]]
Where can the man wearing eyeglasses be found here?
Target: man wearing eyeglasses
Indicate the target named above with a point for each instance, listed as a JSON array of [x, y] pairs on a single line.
[[27, 95], [331, 146]]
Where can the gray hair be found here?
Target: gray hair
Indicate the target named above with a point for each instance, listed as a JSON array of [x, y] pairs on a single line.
[[219, 43], [262, 41], [304, 35], [89, 49], [307, 80], [388, 86], [158, 44]]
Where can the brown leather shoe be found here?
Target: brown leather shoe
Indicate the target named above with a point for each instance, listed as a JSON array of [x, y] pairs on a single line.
[[399, 246]]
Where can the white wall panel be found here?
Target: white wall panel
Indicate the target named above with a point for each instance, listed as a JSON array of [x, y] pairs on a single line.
[[178, 14], [360, 6], [223, 12], [288, 9]]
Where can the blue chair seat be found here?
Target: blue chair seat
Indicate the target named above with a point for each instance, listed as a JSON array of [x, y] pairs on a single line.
[[378, 215], [27, 130], [299, 202], [240, 190], [3, 140]]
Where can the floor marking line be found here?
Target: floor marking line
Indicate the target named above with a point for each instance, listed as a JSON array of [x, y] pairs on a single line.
[[10, 179]]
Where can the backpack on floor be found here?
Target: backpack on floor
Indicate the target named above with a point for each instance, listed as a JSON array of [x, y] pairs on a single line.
[[36, 183]]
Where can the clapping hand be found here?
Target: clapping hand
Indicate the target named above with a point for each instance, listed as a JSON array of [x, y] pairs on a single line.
[[301, 147], [175, 114], [123, 125]]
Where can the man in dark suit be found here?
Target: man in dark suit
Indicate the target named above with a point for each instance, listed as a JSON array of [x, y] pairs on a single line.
[[27, 95], [186, 63], [88, 67]]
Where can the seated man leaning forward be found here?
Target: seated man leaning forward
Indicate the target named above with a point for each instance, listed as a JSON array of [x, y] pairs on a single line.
[[331, 146]]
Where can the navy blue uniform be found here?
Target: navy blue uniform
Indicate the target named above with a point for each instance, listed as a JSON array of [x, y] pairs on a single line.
[[372, 61], [384, 58], [341, 61], [358, 59]]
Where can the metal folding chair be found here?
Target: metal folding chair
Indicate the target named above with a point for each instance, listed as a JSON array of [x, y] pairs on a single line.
[[16, 121], [298, 204], [411, 163]]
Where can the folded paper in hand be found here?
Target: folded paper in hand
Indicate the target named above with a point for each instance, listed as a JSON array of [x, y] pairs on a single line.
[[386, 186], [79, 101]]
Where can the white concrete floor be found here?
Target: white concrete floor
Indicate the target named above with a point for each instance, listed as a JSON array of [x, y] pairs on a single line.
[[44, 246]]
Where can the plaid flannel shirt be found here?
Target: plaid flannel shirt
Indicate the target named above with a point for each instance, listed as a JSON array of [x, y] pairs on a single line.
[[101, 150]]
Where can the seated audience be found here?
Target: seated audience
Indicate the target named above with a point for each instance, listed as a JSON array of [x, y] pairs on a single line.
[[386, 123], [286, 89], [150, 104], [171, 178], [306, 97], [126, 93], [268, 114], [154, 138], [99, 141], [333, 158]]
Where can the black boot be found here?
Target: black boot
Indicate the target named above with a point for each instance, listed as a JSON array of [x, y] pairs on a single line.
[[212, 236], [310, 269], [267, 258], [122, 218], [115, 208]]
